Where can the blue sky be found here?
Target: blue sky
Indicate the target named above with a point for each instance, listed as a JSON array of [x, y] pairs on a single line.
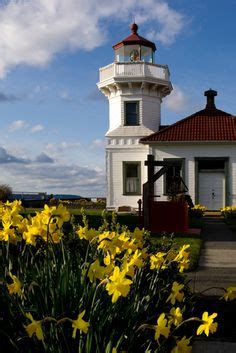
[[53, 119]]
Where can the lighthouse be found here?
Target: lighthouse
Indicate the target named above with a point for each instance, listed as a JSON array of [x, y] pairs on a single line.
[[134, 85]]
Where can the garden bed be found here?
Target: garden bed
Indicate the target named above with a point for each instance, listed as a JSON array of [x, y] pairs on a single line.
[[78, 290]]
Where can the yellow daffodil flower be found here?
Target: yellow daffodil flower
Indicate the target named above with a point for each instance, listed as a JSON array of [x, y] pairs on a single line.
[[162, 327], [183, 265], [119, 285], [230, 294], [15, 287], [176, 316], [8, 233], [30, 235], [182, 346], [182, 254], [136, 259], [208, 326], [96, 271], [107, 259], [81, 232], [157, 261], [34, 327], [79, 324], [176, 294], [62, 214]]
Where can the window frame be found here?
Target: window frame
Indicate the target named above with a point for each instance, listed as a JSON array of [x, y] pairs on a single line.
[[124, 165], [137, 112]]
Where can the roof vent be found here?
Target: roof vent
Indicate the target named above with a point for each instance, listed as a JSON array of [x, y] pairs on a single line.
[[210, 94]]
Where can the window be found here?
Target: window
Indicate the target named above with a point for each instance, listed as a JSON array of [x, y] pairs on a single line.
[[211, 164], [131, 178], [173, 177], [131, 113]]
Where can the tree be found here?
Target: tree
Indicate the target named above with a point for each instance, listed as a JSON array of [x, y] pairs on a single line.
[[5, 192]]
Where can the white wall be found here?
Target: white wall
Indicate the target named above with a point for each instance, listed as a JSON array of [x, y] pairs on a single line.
[[149, 114], [115, 155], [189, 152]]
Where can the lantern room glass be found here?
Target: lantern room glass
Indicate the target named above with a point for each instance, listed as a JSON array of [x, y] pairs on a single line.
[[134, 53]]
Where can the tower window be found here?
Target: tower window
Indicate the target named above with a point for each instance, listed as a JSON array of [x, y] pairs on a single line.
[[132, 178], [131, 113]]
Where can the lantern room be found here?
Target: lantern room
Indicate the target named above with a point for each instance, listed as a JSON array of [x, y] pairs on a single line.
[[134, 48]]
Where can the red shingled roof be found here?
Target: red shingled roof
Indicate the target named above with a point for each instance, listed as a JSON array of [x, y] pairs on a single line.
[[135, 38], [205, 125]]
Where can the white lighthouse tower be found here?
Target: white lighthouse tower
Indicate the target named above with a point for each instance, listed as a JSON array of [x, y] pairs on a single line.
[[134, 86]]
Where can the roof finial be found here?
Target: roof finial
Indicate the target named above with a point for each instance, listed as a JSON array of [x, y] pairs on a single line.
[[210, 94], [134, 28]]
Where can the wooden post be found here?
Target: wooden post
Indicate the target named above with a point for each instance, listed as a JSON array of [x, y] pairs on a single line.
[[150, 165], [140, 213]]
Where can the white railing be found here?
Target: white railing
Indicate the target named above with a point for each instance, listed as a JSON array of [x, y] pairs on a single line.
[[139, 69]]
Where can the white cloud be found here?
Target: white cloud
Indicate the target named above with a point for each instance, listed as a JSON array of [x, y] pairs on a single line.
[[6, 157], [33, 31], [18, 125], [43, 158], [70, 145], [37, 128], [53, 176], [98, 143], [53, 147], [171, 22], [177, 101]]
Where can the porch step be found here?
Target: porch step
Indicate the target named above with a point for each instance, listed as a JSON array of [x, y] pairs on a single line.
[[212, 214]]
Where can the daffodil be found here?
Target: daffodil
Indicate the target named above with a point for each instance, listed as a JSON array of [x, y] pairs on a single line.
[[79, 324], [230, 294], [182, 346], [132, 262], [119, 285], [107, 259], [15, 287], [207, 326], [176, 316], [8, 233], [162, 327], [182, 254], [157, 261], [34, 327], [96, 271], [31, 234], [183, 265], [176, 294], [62, 215]]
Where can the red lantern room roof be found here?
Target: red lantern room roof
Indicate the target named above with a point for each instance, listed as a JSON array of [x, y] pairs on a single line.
[[134, 38]]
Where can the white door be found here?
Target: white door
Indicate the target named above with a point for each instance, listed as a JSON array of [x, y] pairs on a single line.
[[212, 190]]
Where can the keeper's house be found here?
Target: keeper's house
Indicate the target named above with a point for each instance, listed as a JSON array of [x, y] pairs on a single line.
[[203, 143]]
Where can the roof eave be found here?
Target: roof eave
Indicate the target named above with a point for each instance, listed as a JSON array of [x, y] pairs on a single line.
[[187, 142]]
